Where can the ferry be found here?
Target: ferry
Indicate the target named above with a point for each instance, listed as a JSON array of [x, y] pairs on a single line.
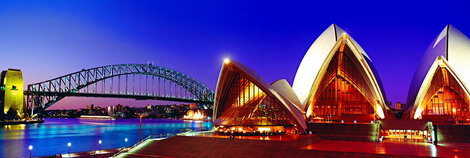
[[92, 117]]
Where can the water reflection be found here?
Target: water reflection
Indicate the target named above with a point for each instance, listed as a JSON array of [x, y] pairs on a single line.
[[433, 150], [51, 137]]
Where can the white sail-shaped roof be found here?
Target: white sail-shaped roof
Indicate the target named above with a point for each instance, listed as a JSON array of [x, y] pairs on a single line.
[[285, 90], [439, 62], [454, 47], [314, 59], [232, 67]]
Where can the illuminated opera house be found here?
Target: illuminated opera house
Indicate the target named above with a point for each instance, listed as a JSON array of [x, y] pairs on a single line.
[[336, 82], [245, 102], [439, 89]]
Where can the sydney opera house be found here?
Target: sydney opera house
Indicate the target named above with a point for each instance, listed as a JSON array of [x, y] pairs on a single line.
[[439, 91], [247, 103], [336, 82]]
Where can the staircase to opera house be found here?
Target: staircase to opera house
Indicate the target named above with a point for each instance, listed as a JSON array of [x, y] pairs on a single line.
[[365, 132]]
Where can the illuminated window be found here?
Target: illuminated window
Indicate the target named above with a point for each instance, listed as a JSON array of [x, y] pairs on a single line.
[[445, 97], [246, 104], [343, 89]]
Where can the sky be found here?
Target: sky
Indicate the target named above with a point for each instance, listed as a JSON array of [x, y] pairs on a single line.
[[47, 39]]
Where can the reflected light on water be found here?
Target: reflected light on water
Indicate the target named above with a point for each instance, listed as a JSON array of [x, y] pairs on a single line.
[[433, 150], [49, 138]]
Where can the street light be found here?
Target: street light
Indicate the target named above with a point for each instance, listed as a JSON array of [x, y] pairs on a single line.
[[140, 126], [30, 150], [99, 142], [125, 141], [69, 145]]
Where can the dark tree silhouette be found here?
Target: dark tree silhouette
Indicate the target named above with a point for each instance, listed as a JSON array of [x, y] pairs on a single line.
[[11, 114], [2, 115]]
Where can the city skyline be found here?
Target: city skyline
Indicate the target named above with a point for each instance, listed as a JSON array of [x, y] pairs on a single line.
[[50, 40]]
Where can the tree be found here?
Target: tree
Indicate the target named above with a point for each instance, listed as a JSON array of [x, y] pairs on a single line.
[[2, 115], [11, 114]]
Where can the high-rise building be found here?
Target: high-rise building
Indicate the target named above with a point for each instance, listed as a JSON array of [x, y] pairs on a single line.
[[399, 106], [11, 91], [90, 107]]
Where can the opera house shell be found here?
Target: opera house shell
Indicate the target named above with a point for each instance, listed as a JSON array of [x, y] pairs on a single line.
[[336, 80], [439, 88], [246, 103]]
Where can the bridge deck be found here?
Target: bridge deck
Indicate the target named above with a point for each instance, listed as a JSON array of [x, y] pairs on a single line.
[[122, 95]]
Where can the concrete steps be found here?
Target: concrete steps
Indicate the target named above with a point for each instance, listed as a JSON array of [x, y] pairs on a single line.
[[453, 133], [346, 132]]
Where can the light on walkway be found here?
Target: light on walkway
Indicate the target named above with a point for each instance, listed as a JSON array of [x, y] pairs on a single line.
[[30, 147], [99, 149], [125, 141], [69, 145]]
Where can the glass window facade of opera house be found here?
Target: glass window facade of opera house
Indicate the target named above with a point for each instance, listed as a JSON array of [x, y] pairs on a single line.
[[444, 97], [336, 81], [245, 104], [343, 90], [246, 100], [438, 91]]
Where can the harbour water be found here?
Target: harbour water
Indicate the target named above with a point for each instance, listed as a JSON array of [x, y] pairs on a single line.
[[51, 137]]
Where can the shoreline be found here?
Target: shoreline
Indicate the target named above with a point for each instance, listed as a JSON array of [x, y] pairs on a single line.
[[20, 122], [102, 153]]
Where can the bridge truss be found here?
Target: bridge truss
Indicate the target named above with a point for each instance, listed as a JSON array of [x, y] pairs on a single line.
[[137, 81]]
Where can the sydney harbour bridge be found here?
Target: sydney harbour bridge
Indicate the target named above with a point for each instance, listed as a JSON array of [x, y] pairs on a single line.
[[135, 81]]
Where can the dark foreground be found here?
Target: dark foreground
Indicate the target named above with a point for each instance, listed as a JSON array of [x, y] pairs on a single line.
[[20, 122]]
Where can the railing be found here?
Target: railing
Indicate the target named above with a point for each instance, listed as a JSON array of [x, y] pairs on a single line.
[[152, 136]]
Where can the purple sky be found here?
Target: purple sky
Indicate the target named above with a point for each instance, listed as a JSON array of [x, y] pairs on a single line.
[[47, 40]]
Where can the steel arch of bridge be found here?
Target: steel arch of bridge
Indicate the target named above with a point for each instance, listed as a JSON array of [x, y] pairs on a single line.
[[171, 85]]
